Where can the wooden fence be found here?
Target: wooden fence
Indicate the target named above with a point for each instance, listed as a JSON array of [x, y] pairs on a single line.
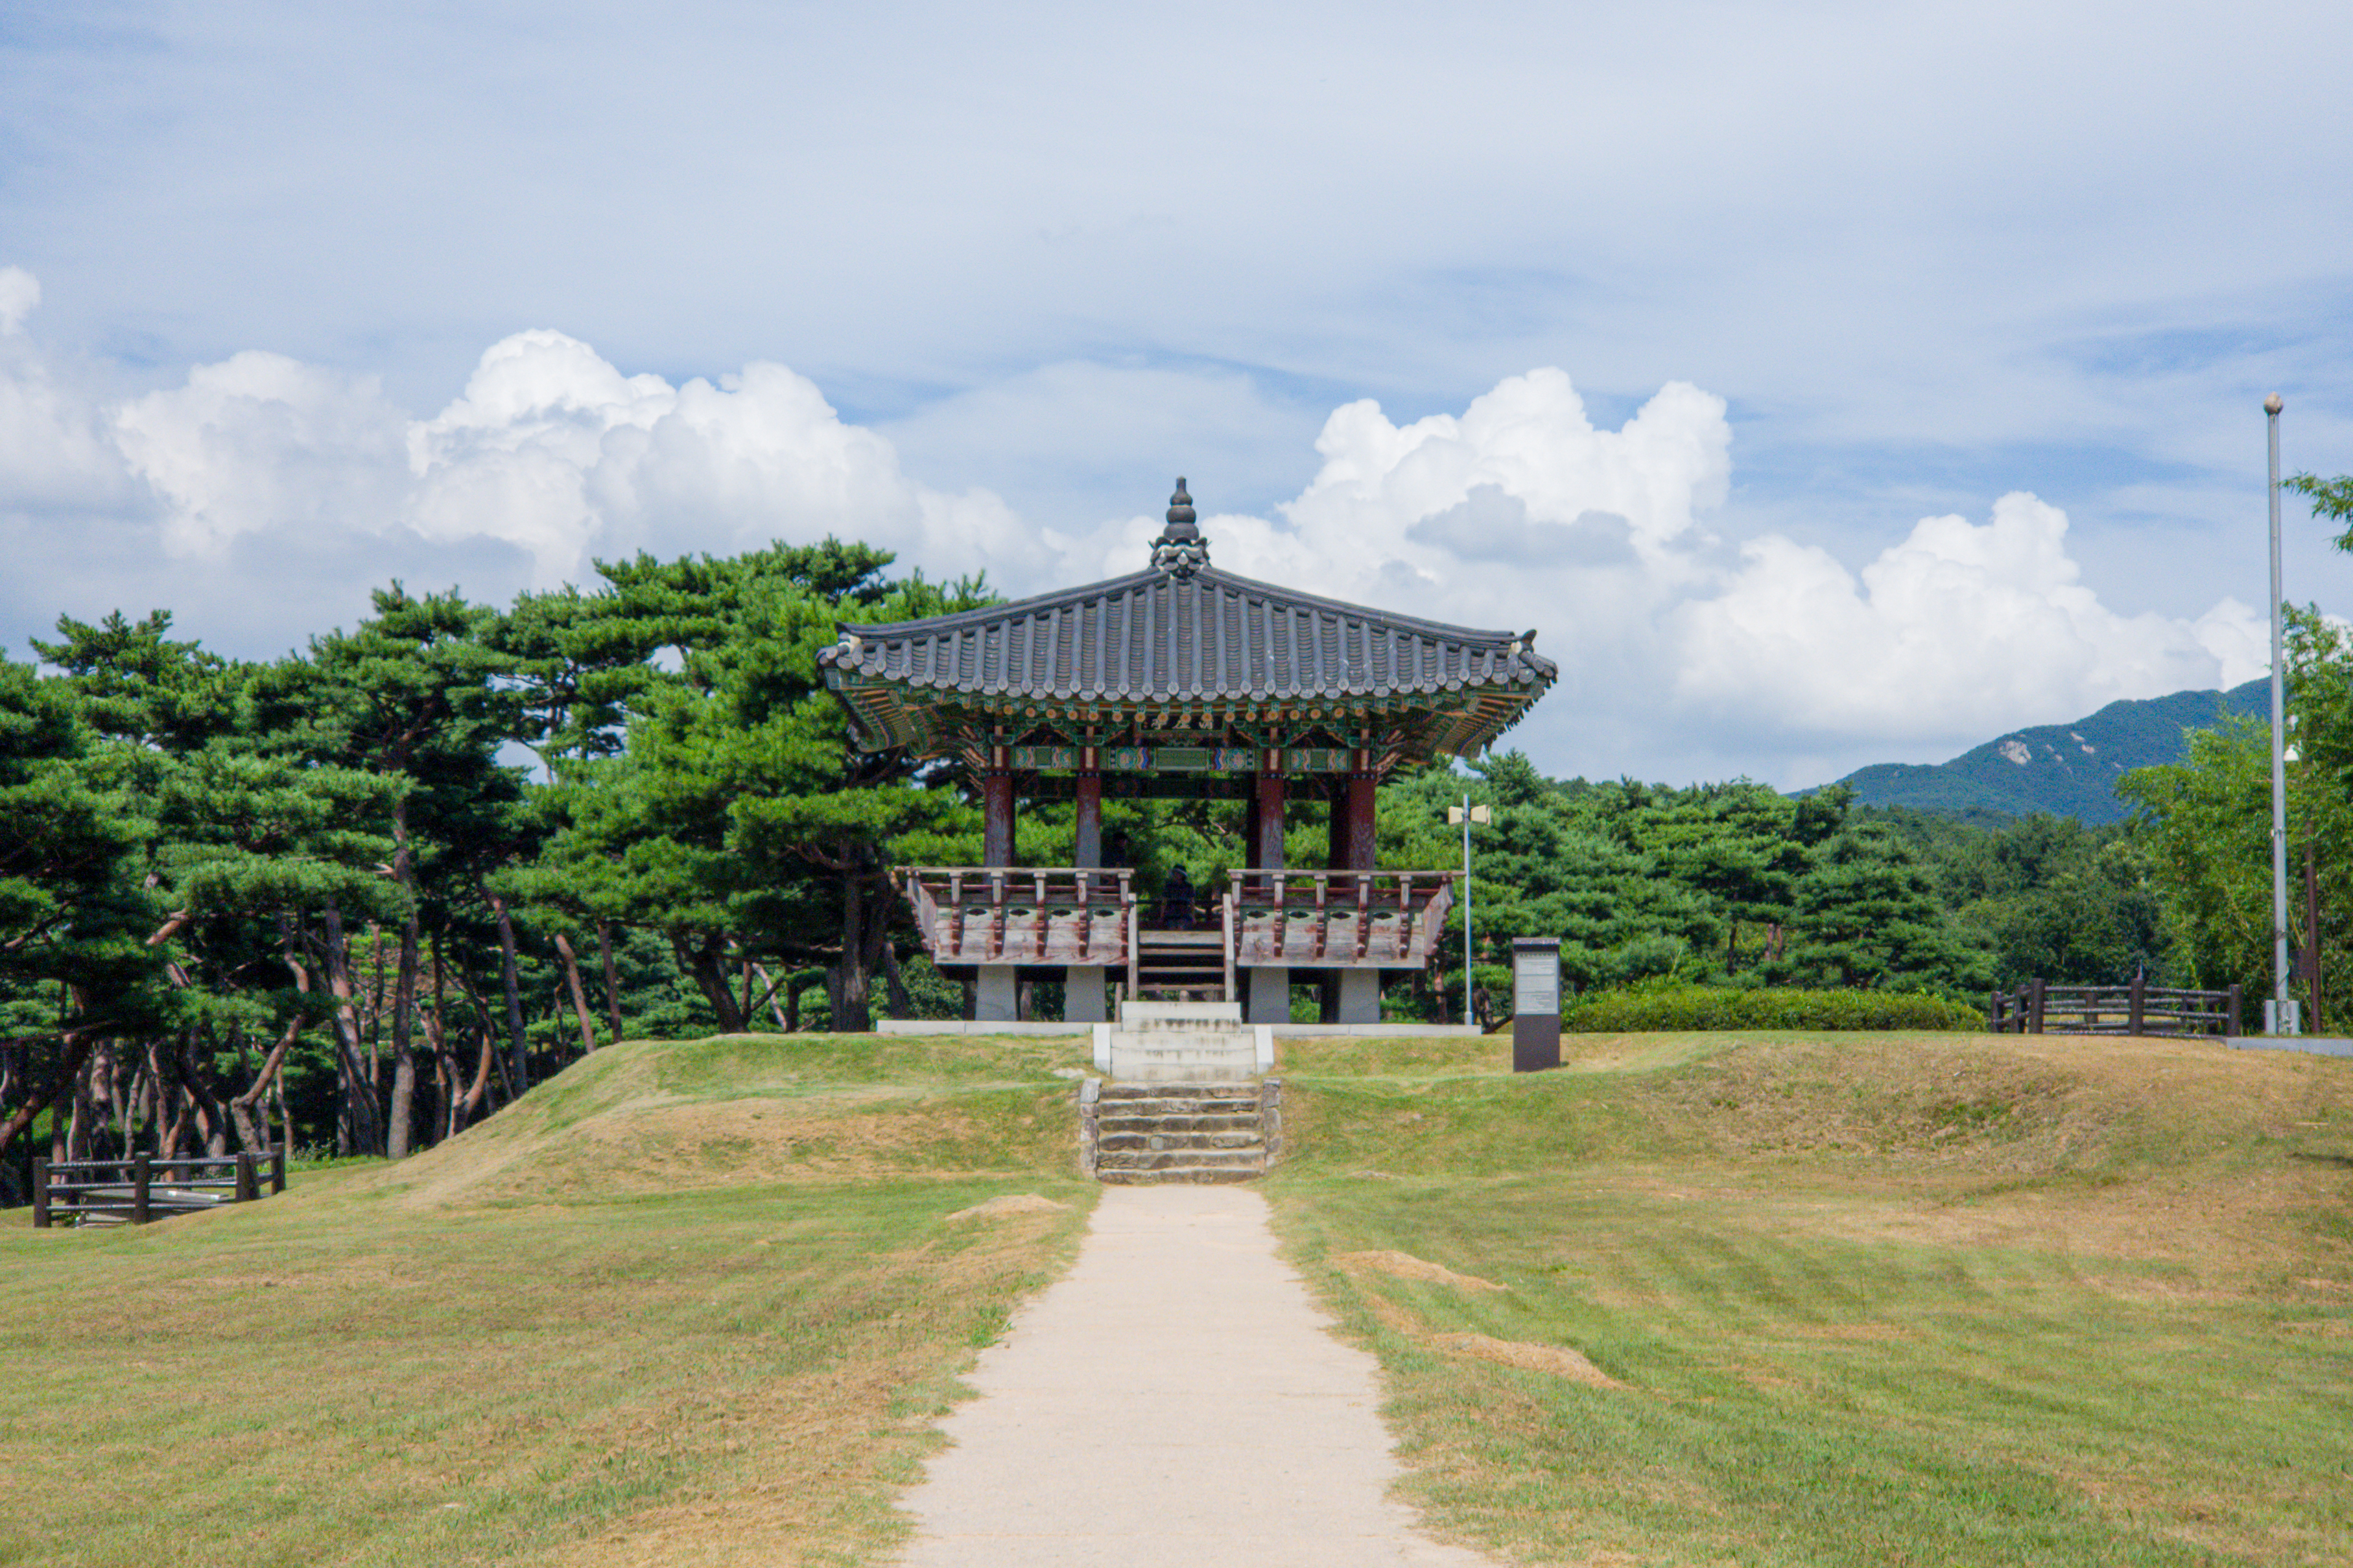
[[2140, 1008], [140, 1187]]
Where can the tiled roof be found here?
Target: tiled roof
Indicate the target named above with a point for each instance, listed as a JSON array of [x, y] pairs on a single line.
[[1183, 632], [1154, 636]]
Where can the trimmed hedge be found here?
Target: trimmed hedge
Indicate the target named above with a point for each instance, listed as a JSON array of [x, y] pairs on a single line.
[[1701, 1008]]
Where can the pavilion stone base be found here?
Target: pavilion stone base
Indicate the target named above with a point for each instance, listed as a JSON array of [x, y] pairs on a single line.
[[1270, 994], [1082, 995], [996, 998], [1183, 1042], [1360, 996]]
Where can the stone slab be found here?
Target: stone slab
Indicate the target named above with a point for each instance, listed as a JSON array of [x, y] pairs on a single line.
[[2310, 1045]]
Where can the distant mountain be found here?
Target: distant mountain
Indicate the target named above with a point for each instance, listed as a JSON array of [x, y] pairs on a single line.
[[2068, 770]]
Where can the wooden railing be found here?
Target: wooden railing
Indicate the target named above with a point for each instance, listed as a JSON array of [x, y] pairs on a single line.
[[2140, 1008], [1338, 919], [139, 1188], [1023, 914], [1079, 915]]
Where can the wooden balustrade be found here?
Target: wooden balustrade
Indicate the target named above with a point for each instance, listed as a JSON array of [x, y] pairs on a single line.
[[2140, 1008], [1086, 916], [1023, 914], [1338, 919], [139, 1187]]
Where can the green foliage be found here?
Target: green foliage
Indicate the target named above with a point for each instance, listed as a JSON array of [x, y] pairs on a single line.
[[1695, 1008], [2331, 499], [2207, 825]]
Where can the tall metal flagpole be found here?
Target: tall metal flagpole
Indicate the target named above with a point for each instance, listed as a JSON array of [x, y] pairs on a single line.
[[2281, 1021]]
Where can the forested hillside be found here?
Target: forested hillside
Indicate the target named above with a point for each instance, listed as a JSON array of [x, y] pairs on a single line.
[[364, 895], [2067, 770]]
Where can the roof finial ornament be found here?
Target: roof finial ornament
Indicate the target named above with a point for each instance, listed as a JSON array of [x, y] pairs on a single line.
[[1180, 549]]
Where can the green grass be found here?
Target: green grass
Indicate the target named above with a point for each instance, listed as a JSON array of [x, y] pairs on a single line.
[[640, 1308], [1865, 1298], [1872, 1299]]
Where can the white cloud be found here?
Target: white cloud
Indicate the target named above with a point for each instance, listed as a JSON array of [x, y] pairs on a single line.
[[1682, 654], [260, 442], [1961, 627], [550, 449]]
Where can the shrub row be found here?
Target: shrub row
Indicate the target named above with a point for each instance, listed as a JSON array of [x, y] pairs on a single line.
[[1701, 1007]]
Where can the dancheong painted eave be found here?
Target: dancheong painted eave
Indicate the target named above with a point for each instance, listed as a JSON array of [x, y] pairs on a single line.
[[1183, 645]]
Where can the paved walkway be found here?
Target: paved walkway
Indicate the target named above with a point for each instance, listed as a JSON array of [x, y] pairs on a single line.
[[1175, 1398]]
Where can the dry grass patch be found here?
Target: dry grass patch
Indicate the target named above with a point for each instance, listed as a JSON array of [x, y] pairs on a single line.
[[1012, 1204], [1936, 1301], [494, 1354], [1405, 1266], [1555, 1360]]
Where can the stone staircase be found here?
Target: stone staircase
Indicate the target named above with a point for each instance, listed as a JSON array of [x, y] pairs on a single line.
[[1136, 1133]]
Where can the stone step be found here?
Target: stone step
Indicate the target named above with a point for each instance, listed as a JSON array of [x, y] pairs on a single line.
[[1115, 1178], [1251, 1160], [1209, 1088], [1152, 1110], [1248, 1138], [1236, 1121]]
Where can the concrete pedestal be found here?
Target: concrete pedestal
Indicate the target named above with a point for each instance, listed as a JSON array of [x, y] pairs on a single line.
[[994, 997], [1183, 1042], [1360, 996], [1269, 995], [1083, 995]]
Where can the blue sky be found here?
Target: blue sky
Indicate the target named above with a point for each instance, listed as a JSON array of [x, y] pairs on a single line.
[[305, 297]]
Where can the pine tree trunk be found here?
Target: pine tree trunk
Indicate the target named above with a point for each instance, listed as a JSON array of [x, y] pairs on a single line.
[[359, 1119], [518, 1070], [700, 964], [402, 1115], [895, 984], [251, 1132], [852, 1012], [579, 993], [612, 978]]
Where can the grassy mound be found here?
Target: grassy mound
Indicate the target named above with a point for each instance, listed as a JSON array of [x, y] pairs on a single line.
[[686, 1303], [1742, 1296], [1858, 1299]]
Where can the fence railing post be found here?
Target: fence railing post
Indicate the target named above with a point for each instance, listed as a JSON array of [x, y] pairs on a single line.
[[40, 1195], [278, 1167], [2231, 1015], [139, 1179], [245, 1192], [2033, 1020], [2139, 995]]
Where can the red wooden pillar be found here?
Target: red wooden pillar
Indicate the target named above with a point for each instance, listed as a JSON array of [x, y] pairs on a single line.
[[1082, 983], [996, 808], [1363, 827], [1087, 850], [1268, 853], [995, 997], [1359, 990], [1270, 985]]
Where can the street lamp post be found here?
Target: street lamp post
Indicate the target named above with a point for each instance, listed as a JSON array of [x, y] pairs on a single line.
[[2280, 1013], [1466, 814]]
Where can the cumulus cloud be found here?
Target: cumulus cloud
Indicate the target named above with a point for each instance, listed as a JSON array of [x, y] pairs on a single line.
[[550, 449], [1681, 652], [1960, 625]]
